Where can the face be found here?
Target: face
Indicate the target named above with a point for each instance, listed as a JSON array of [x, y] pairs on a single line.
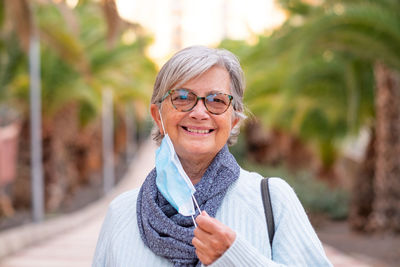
[[198, 134]]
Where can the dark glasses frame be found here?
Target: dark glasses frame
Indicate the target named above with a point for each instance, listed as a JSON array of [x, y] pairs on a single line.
[[171, 91]]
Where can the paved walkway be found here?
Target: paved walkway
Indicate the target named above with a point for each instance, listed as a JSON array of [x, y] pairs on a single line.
[[74, 244]]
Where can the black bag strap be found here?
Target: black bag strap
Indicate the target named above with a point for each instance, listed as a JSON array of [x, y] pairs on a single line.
[[269, 216]]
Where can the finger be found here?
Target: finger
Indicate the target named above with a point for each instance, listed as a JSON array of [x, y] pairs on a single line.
[[203, 257], [205, 213], [204, 252], [198, 244], [207, 223], [217, 243], [202, 235]]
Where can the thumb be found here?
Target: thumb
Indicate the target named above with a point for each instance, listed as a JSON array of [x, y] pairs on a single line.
[[204, 213]]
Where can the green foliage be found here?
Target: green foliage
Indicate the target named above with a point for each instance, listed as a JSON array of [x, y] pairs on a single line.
[[61, 83], [314, 75], [2, 12], [76, 63], [12, 62], [296, 7], [366, 29], [315, 196], [239, 150], [13, 68]]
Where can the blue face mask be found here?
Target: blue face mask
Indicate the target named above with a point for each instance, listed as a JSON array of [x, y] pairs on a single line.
[[172, 181]]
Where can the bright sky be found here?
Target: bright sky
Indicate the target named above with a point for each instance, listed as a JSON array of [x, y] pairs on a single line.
[[203, 22]]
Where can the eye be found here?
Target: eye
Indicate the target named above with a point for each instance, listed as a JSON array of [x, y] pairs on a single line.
[[183, 97], [218, 99], [180, 97]]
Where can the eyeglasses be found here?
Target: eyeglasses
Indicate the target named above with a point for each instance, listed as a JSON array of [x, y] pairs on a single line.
[[185, 100]]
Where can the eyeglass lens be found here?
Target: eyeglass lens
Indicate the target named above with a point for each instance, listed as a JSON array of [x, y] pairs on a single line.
[[184, 100]]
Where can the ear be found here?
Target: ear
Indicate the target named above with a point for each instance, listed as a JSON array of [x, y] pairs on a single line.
[[235, 121], [156, 116]]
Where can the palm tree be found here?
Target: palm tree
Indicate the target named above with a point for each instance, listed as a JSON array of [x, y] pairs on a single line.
[[370, 30], [77, 64], [364, 35], [320, 99], [91, 65]]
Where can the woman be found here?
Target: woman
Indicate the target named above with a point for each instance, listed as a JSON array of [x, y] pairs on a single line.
[[197, 104]]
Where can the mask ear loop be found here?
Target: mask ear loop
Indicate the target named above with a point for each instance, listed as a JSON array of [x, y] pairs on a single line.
[[195, 225], [162, 123], [197, 206], [194, 199]]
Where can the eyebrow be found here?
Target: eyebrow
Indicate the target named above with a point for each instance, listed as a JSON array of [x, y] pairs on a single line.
[[207, 93]]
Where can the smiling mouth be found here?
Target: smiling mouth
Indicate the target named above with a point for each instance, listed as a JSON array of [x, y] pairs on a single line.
[[197, 131]]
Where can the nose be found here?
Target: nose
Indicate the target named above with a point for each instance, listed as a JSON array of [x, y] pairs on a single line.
[[200, 111]]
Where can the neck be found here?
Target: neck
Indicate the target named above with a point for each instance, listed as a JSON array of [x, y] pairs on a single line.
[[195, 168]]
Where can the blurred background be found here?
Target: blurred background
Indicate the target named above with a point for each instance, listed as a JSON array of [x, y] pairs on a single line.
[[322, 97]]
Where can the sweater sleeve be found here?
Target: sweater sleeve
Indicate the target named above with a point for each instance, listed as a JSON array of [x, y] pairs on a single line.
[[241, 254], [295, 242], [118, 210], [100, 258]]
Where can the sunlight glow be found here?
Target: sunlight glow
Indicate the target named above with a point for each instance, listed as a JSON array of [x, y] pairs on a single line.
[[72, 3], [181, 23], [129, 37]]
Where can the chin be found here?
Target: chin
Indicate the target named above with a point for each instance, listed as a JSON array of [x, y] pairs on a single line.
[[198, 148]]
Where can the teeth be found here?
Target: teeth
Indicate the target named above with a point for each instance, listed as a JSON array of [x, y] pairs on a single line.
[[198, 131]]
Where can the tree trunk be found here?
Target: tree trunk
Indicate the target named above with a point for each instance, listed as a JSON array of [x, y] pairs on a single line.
[[363, 189], [276, 147], [257, 141], [386, 207]]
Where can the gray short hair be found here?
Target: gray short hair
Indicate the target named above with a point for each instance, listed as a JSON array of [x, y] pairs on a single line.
[[192, 62]]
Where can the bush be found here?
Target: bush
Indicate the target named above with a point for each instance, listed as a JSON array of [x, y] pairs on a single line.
[[315, 195]]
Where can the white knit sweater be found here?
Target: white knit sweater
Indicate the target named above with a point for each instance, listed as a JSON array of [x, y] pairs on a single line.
[[295, 242]]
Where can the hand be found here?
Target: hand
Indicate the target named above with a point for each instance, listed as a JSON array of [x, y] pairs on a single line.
[[211, 238]]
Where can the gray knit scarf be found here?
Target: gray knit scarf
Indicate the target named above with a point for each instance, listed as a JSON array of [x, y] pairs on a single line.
[[166, 232]]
